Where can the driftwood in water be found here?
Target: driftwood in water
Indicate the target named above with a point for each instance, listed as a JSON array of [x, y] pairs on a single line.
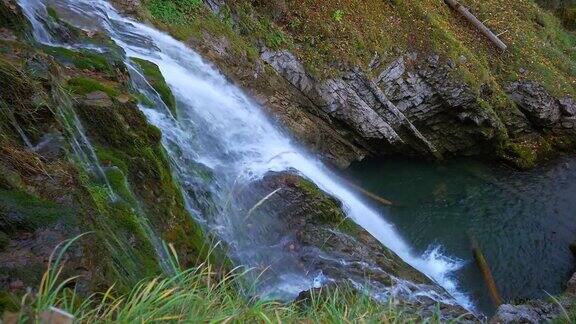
[[471, 18], [486, 273], [369, 194]]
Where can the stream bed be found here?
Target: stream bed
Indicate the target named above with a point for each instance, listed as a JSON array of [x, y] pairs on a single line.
[[524, 221]]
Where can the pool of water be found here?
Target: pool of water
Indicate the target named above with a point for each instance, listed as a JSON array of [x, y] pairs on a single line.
[[524, 221]]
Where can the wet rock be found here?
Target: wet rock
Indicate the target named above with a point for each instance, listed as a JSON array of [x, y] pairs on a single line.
[[128, 6], [312, 230], [568, 107], [215, 5], [7, 34], [50, 147], [24, 260]]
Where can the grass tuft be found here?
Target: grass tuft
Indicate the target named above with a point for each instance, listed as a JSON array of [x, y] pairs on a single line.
[[201, 295]]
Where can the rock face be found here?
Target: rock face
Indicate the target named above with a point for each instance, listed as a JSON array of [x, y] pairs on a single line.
[[415, 113], [49, 188], [544, 110], [311, 228], [215, 5], [358, 103], [449, 114], [312, 126], [414, 106]]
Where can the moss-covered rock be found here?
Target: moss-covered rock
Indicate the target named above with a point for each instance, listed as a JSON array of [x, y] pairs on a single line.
[[124, 140], [20, 211], [307, 229], [82, 59], [11, 17], [8, 303], [4, 240], [157, 81], [316, 222], [47, 199], [83, 86]]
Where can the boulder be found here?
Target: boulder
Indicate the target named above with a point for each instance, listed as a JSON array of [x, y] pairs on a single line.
[[536, 103], [287, 211]]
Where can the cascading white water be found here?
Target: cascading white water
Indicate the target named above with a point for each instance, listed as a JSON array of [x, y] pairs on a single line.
[[219, 129]]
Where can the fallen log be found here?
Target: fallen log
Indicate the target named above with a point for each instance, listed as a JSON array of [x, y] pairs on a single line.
[[371, 195], [476, 22], [486, 273]]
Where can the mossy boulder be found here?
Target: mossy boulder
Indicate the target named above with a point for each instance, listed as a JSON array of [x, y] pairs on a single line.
[[322, 237], [130, 148], [157, 81], [307, 229], [8, 303]]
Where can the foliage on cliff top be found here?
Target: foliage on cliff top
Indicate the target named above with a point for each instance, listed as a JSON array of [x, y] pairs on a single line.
[[538, 43], [329, 34]]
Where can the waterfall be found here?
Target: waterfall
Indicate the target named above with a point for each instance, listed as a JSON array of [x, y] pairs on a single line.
[[221, 139]]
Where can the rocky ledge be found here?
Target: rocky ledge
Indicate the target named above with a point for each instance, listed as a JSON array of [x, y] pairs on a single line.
[[309, 226], [416, 107]]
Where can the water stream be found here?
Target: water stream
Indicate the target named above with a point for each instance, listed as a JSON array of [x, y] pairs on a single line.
[[220, 140]]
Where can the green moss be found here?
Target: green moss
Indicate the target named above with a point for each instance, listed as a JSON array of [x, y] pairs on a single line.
[[7, 302], [32, 212], [13, 19], [52, 13], [522, 156], [156, 79], [4, 240], [173, 11], [124, 139], [527, 153], [328, 210], [83, 85], [122, 127], [144, 100], [82, 59]]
